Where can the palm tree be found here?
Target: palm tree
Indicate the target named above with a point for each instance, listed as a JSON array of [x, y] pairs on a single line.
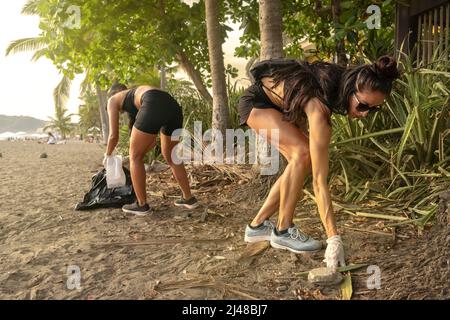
[[61, 123], [61, 92], [341, 58], [88, 112], [215, 39], [40, 48], [37, 44], [270, 26]]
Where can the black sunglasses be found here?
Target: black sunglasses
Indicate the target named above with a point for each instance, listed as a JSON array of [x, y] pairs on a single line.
[[362, 107]]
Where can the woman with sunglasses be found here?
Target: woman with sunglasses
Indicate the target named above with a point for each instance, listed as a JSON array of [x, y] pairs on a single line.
[[298, 100]]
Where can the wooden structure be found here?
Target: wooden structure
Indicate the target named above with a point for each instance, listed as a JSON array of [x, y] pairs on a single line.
[[423, 28]]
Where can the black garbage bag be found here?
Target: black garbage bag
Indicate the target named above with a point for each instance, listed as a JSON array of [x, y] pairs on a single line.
[[101, 197]]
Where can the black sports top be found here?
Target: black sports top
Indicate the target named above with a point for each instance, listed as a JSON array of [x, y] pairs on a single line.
[[263, 100], [128, 103], [259, 83]]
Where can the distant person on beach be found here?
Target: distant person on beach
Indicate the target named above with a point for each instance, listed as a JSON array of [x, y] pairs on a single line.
[[297, 99], [151, 111], [51, 138]]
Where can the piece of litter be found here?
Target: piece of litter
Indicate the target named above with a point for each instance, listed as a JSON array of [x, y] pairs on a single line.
[[324, 276]]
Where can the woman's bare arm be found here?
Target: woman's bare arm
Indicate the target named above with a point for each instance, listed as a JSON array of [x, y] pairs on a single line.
[[319, 140], [113, 115]]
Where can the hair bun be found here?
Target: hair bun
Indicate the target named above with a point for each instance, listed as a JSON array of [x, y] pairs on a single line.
[[386, 67]]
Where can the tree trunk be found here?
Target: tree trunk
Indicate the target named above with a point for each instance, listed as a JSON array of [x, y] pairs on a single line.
[[220, 115], [271, 33], [341, 58], [102, 102], [270, 26], [162, 72], [195, 76]]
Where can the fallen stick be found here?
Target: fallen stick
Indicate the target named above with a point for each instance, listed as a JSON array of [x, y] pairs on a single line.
[[378, 216], [242, 294]]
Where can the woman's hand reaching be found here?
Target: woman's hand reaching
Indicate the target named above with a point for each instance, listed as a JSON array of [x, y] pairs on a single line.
[[334, 254]]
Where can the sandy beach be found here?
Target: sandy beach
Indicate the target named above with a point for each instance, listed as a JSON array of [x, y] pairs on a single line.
[[172, 253]]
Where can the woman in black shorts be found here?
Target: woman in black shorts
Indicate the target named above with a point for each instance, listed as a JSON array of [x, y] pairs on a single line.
[[150, 111]]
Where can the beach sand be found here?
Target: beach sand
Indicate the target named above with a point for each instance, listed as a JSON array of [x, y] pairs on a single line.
[[170, 254]]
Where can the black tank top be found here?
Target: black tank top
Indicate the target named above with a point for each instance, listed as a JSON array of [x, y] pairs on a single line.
[[263, 95], [128, 103]]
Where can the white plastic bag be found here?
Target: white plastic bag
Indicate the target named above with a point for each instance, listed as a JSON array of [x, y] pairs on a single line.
[[115, 176]]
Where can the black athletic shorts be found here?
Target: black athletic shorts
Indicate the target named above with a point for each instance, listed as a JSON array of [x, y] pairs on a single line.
[[159, 111], [254, 97]]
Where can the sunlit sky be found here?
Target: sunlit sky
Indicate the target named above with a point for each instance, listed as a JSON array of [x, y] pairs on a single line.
[[27, 87]]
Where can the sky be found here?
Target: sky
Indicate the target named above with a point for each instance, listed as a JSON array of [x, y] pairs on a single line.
[[27, 87]]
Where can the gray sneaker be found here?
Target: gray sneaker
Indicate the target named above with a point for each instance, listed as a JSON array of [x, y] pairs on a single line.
[[295, 240], [191, 203], [260, 234], [134, 208]]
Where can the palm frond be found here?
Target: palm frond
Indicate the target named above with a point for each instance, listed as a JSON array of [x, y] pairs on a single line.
[[30, 8], [26, 44], [39, 54], [61, 92], [86, 85], [49, 126]]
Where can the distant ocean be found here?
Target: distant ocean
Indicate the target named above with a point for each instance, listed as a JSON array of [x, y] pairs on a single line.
[[21, 136]]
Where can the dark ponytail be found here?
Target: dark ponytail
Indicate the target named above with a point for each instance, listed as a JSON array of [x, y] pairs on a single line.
[[116, 88], [386, 68]]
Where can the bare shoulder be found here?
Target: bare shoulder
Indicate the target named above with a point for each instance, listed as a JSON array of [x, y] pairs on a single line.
[[115, 102], [315, 109]]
